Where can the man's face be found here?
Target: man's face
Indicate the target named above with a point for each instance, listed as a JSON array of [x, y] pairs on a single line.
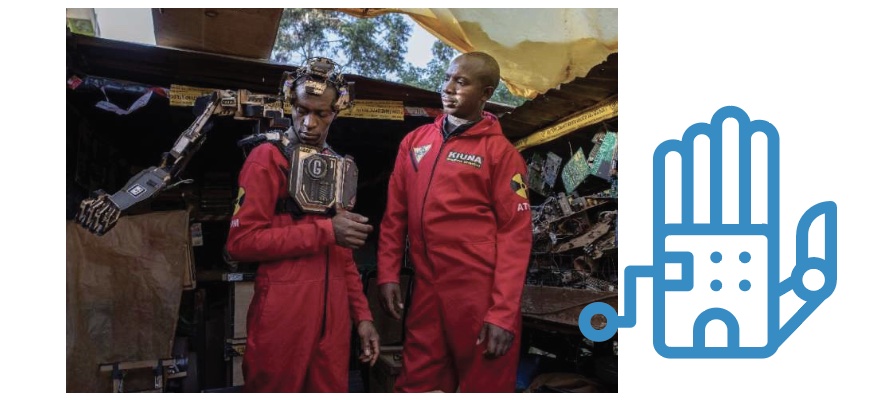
[[463, 92], [312, 115]]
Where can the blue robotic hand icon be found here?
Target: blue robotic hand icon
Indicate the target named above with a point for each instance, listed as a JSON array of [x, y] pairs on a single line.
[[716, 240]]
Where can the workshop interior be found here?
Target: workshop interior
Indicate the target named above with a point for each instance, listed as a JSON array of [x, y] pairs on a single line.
[[154, 304]]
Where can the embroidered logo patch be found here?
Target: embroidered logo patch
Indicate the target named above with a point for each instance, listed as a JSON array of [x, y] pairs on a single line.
[[518, 186], [239, 199], [463, 158], [419, 152]]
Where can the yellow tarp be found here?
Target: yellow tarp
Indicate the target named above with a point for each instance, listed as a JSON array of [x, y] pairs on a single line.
[[538, 49]]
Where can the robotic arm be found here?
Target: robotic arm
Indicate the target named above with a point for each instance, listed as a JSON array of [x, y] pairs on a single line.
[[331, 179], [100, 213]]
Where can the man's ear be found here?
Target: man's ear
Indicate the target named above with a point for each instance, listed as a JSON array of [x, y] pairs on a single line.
[[489, 92]]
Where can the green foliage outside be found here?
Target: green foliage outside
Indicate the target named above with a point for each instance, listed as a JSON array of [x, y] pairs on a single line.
[[372, 47]]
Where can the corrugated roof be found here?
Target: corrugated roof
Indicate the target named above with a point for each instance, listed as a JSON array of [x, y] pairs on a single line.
[[600, 84]]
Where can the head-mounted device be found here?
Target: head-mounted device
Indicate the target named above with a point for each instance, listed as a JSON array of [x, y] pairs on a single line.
[[313, 77]]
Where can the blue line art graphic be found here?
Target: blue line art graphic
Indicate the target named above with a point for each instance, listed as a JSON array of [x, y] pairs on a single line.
[[713, 234]]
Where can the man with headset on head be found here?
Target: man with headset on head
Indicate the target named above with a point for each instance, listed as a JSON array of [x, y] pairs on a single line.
[[307, 289]]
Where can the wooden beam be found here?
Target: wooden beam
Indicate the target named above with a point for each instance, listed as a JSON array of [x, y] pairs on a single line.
[[126, 365]]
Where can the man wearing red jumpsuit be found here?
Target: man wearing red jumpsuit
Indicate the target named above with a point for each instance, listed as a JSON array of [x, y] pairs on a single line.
[[307, 289], [458, 190]]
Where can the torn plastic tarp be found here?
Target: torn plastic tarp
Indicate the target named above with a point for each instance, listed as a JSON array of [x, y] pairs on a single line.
[[538, 48], [109, 106], [95, 83], [107, 86]]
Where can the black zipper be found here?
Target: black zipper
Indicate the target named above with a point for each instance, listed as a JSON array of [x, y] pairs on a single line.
[[424, 201]]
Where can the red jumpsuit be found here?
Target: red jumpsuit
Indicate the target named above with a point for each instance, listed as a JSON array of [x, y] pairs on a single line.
[[464, 205], [307, 289]]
